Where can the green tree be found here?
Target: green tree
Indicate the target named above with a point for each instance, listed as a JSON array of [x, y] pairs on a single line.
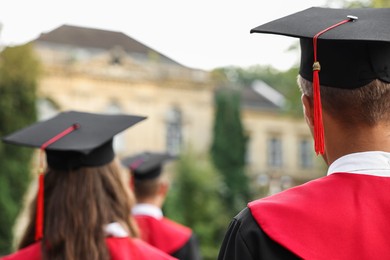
[[381, 3], [228, 150], [359, 3], [19, 70], [195, 200]]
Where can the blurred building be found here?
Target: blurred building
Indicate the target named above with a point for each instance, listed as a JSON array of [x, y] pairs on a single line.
[[109, 72], [280, 149]]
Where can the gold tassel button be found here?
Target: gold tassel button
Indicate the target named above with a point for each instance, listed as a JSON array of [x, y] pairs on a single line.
[[316, 66]]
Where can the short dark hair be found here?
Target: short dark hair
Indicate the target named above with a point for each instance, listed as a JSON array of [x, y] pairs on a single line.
[[148, 188], [368, 105]]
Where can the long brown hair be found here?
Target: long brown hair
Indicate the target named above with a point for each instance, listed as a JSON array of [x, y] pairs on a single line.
[[77, 206]]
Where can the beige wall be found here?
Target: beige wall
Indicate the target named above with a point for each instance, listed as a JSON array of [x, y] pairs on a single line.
[[90, 83], [74, 88], [290, 131]]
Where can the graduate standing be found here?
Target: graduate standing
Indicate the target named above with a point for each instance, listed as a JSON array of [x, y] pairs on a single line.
[[81, 209], [151, 188], [345, 82]]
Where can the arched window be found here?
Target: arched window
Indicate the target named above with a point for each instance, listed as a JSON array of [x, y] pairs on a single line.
[[119, 141], [46, 109], [174, 131]]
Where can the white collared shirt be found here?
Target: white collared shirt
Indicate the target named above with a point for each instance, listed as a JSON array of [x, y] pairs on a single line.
[[147, 210], [115, 229], [375, 163]]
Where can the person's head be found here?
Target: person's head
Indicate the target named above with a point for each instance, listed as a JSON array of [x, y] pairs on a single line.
[[149, 181], [153, 191], [78, 204], [344, 70], [366, 106], [82, 189]]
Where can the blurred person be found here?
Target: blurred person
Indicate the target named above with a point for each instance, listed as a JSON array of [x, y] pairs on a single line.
[[81, 209], [151, 188], [345, 65]]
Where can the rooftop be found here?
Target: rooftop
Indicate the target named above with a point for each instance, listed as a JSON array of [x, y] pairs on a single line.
[[83, 37]]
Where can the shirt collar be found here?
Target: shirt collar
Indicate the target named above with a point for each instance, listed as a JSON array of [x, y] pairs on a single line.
[[375, 163], [115, 229], [147, 210]]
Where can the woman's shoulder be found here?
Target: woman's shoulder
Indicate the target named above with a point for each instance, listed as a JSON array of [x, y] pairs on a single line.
[[32, 252], [132, 248]]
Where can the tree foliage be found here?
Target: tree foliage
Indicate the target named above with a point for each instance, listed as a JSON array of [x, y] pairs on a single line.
[[381, 3], [284, 81], [359, 3], [19, 70], [228, 150], [195, 200]]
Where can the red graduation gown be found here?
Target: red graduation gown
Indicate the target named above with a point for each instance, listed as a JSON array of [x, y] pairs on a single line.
[[164, 234], [341, 216], [119, 248]]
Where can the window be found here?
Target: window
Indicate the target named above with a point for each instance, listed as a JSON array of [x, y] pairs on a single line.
[[305, 153], [117, 55], [173, 131], [119, 143], [274, 152], [286, 182], [46, 109]]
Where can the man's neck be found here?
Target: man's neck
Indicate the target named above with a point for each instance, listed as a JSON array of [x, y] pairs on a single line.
[[155, 201], [341, 142], [145, 209]]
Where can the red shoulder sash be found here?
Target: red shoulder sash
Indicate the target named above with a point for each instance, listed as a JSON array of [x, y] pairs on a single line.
[[32, 252], [126, 248], [341, 216], [163, 233]]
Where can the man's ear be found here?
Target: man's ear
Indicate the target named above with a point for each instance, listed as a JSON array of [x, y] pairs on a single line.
[[163, 188], [308, 110]]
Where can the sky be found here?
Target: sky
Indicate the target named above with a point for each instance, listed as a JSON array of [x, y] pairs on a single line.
[[202, 34]]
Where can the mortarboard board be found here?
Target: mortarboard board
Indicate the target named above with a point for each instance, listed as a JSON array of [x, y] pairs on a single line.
[[146, 165], [71, 140], [351, 55], [90, 144], [346, 48]]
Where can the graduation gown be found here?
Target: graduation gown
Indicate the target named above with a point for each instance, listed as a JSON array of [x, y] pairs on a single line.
[[120, 248], [340, 216], [169, 236]]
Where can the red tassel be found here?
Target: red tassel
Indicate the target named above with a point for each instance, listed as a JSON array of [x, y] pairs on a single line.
[[39, 221], [40, 209], [319, 144]]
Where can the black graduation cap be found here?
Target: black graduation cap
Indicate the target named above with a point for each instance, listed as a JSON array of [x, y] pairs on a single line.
[[146, 165], [71, 140], [341, 48], [75, 139], [351, 55]]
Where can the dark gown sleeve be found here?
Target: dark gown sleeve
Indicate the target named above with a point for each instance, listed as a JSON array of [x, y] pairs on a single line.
[[245, 240], [190, 251]]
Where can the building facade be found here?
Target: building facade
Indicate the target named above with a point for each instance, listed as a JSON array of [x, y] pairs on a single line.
[[280, 148], [122, 75], [109, 72]]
